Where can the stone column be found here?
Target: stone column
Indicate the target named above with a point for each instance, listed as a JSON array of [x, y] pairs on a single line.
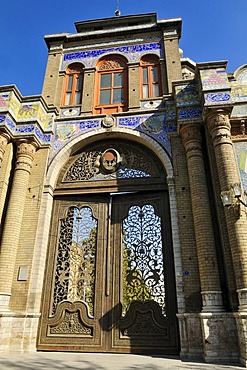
[[204, 234], [13, 220], [219, 126]]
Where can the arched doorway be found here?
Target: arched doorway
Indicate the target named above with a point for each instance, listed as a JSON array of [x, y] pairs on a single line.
[[109, 283]]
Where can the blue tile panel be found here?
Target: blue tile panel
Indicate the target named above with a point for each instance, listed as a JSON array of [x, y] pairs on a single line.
[[25, 130], [132, 52]]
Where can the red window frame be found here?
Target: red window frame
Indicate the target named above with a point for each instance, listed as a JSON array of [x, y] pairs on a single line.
[[111, 85], [150, 77], [73, 84]]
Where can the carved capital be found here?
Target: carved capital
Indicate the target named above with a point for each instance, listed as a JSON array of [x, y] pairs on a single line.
[[217, 120], [192, 138], [25, 155]]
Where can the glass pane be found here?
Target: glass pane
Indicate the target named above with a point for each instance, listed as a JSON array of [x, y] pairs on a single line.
[[156, 90], [67, 98], [105, 96], [118, 96], [78, 82], [118, 79], [75, 265], [144, 75], [145, 91], [70, 81], [77, 97], [155, 76], [142, 258], [105, 80]]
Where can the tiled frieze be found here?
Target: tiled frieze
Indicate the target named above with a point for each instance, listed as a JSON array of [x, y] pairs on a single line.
[[26, 111], [25, 117], [25, 130], [132, 52], [153, 125]]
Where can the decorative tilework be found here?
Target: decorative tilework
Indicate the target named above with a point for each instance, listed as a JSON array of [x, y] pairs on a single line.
[[170, 110], [67, 130], [132, 52], [241, 153], [187, 95], [24, 130], [151, 104], [217, 97], [189, 113], [238, 92], [214, 78], [3, 100], [153, 125]]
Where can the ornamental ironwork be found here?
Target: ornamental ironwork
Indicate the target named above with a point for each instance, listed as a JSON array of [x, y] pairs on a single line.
[[142, 255], [75, 264], [131, 162]]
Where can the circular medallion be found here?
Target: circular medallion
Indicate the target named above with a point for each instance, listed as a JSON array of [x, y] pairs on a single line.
[[110, 160]]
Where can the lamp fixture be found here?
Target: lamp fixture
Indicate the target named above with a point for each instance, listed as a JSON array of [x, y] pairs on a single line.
[[232, 198]]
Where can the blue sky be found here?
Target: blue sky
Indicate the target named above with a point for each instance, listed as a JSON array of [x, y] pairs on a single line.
[[211, 30]]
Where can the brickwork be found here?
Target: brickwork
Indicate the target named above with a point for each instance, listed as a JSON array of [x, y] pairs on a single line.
[[191, 280], [173, 64], [52, 82]]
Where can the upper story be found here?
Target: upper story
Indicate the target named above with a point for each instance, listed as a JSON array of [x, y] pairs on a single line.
[[113, 65]]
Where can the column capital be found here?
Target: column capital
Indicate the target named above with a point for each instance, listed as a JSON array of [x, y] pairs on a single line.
[[25, 155], [191, 138], [217, 119]]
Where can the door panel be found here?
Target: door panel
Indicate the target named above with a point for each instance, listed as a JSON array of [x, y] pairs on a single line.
[[145, 310], [74, 280], [110, 279]]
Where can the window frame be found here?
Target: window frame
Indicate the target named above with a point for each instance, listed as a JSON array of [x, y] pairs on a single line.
[[149, 62], [74, 70], [111, 64]]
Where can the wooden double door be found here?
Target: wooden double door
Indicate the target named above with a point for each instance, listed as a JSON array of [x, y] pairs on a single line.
[[109, 284]]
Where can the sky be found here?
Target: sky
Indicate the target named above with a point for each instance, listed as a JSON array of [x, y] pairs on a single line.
[[211, 30]]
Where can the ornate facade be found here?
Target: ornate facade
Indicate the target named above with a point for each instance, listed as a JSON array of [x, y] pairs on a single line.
[[123, 198]]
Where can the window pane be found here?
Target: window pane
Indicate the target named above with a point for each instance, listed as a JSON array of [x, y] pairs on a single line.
[[145, 91], [118, 96], [156, 90], [155, 74], [144, 75], [105, 97], [78, 82], [118, 79], [70, 81], [67, 98], [105, 80], [77, 97]]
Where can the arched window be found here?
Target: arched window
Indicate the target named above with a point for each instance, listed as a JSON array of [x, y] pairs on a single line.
[[73, 85], [150, 77], [111, 85]]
